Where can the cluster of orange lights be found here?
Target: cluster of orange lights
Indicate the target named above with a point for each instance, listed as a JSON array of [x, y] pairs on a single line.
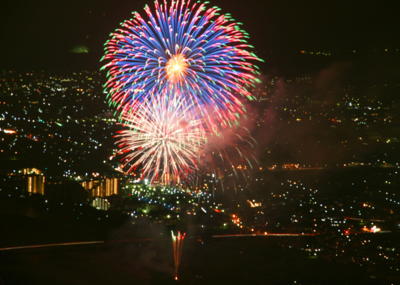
[[241, 167], [254, 204], [367, 205], [291, 166], [236, 221]]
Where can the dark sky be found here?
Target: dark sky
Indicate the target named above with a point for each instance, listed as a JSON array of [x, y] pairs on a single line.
[[39, 34]]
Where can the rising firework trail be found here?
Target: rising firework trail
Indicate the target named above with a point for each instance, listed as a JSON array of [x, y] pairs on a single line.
[[181, 48], [177, 245]]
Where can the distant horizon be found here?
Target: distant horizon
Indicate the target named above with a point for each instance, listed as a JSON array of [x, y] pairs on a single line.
[[43, 33]]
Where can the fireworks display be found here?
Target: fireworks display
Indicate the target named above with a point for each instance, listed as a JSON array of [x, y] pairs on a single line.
[[178, 74]]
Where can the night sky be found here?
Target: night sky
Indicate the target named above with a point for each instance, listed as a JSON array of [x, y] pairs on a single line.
[[40, 34]]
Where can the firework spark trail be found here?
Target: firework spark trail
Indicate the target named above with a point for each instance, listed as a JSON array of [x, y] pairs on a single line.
[[181, 48], [177, 245], [162, 138], [231, 152]]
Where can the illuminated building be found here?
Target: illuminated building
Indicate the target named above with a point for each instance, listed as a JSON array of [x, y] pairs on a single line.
[[101, 204], [34, 180], [102, 188], [35, 184], [30, 171]]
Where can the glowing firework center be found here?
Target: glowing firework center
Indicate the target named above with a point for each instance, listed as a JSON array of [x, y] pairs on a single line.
[[176, 68]]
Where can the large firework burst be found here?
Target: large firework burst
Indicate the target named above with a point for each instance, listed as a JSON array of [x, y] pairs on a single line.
[[181, 48], [161, 138]]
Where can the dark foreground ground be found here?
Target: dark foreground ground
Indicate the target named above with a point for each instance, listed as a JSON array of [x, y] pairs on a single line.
[[210, 261]]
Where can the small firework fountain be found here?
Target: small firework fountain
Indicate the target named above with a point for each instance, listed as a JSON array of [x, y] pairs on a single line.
[[177, 245]]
